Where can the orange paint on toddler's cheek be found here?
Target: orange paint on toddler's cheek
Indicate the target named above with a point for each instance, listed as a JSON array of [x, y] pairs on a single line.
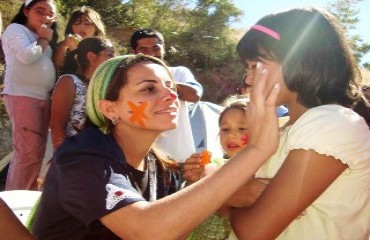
[[245, 139], [137, 111]]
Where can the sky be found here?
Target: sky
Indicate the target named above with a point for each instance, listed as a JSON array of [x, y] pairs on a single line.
[[255, 9]]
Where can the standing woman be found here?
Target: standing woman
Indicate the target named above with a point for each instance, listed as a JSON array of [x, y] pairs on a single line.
[[29, 79], [85, 22]]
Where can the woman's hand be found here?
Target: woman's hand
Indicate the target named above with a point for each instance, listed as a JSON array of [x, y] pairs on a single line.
[[261, 115]]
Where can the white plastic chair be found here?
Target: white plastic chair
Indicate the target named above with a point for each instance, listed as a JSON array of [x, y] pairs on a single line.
[[20, 202], [10, 226]]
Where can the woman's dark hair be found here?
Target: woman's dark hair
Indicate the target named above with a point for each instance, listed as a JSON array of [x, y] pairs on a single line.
[[78, 58], [316, 59], [20, 18], [93, 15]]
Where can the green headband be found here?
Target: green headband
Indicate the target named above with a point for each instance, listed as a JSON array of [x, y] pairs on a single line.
[[97, 90]]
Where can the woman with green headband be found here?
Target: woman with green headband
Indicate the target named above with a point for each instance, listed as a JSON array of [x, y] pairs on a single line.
[[108, 182]]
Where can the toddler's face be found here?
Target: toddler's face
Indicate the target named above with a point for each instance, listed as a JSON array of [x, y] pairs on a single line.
[[233, 131]]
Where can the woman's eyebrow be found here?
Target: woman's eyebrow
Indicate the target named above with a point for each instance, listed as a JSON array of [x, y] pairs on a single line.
[[147, 80]]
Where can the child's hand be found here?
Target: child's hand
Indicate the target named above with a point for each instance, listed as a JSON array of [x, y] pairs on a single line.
[[45, 32], [192, 169], [71, 41], [209, 168]]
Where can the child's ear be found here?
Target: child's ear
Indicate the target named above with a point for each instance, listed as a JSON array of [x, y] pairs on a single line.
[[107, 108], [26, 11], [91, 57]]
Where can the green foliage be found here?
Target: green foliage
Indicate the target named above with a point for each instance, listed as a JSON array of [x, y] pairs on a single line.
[[112, 11], [8, 10], [346, 11], [198, 35], [367, 66]]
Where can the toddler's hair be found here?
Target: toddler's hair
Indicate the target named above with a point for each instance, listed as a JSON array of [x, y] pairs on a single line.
[[233, 102]]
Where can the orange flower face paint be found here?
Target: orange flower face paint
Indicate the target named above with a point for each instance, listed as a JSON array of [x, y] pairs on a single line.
[[245, 139], [205, 157], [138, 114]]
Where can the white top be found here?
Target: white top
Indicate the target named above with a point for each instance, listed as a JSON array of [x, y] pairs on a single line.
[[77, 115], [29, 71], [202, 128], [183, 75], [343, 210], [179, 143]]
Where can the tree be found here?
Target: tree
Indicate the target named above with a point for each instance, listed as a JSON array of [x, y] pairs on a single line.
[[346, 11], [197, 32], [207, 44], [198, 35], [113, 12], [8, 10]]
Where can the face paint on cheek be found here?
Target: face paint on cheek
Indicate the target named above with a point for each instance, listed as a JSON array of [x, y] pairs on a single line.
[[138, 114], [245, 139]]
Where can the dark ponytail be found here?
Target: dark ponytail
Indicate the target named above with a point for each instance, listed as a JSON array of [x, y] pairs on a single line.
[[77, 59]]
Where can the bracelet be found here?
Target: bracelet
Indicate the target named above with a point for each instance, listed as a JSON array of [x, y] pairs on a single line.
[[44, 39]]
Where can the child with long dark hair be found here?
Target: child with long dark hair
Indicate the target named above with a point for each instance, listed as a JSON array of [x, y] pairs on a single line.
[[28, 43], [85, 22], [68, 109], [322, 165]]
